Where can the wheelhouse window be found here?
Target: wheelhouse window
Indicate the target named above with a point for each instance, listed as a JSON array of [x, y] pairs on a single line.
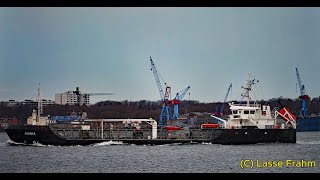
[[234, 112], [246, 112], [252, 112]]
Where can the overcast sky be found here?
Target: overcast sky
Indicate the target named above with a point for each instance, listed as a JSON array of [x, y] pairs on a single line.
[[108, 49]]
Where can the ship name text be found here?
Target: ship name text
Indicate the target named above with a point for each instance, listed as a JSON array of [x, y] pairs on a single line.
[[30, 133]]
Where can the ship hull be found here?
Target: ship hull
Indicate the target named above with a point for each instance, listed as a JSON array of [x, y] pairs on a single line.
[[29, 134], [308, 124]]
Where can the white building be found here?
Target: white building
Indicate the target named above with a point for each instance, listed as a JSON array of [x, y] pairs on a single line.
[[46, 102], [72, 98], [13, 103]]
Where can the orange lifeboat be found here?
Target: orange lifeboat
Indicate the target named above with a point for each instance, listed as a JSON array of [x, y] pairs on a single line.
[[210, 126], [172, 128]]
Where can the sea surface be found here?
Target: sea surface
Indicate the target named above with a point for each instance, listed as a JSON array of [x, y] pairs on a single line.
[[113, 157]]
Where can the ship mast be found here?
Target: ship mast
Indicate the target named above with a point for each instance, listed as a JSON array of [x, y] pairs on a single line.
[[248, 89], [39, 104]]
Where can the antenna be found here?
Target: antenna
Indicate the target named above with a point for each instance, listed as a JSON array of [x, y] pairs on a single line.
[[186, 108], [247, 89], [39, 103]]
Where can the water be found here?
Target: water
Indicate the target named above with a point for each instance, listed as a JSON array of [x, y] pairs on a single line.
[[115, 157]]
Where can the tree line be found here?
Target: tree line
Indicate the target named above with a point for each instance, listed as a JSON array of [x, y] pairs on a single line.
[[149, 109]]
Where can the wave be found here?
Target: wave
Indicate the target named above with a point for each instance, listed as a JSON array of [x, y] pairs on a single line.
[[206, 143], [106, 143], [176, 144], [308, 142]]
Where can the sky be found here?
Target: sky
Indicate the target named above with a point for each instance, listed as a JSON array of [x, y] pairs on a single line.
[[108, 49]]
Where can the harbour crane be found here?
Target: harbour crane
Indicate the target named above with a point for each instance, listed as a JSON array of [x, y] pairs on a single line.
[[176, 101], [165, 96], [88, 95], [83, 97], [97, 94], [303, 95], [219, 112]]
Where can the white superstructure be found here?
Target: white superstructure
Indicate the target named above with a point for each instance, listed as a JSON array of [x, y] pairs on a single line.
[[252, 114], [36, 118]]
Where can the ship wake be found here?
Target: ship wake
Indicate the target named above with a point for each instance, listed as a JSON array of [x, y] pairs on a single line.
[[13, 143], [3, 144]]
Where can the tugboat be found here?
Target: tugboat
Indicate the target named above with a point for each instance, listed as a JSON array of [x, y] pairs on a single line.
[[248, 123]]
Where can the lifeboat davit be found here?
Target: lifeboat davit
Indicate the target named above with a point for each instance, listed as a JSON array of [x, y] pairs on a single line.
[[287, 115], [172, 128], [209, 126]]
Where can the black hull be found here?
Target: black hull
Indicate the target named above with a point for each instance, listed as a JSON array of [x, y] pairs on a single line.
[[308, 124], [29, 134]]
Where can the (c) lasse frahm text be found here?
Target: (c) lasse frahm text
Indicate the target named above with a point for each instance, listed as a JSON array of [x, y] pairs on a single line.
[[289, 163]]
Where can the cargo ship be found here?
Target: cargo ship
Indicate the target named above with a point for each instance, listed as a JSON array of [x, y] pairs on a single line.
[[305, 121], [248, 123], [308, 123]]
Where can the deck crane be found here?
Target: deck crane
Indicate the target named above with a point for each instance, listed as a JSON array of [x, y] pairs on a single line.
[[303, 95], [165, 96], [176, 101], [219, 112]]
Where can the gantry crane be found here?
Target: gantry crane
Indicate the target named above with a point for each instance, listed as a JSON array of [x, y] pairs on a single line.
[[303, 95], [165, 96], [176, 101]]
